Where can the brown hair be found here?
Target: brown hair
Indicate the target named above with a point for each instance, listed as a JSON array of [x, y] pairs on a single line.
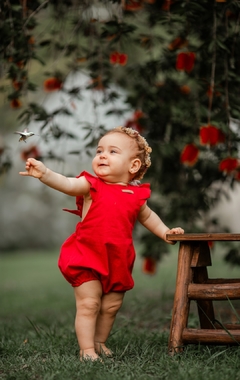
[[144, 149]]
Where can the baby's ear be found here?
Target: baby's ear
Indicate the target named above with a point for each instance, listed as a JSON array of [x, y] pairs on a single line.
[[135, 165]]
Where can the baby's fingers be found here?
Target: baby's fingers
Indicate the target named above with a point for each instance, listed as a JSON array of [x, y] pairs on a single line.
[[176, 231], [24, 173]]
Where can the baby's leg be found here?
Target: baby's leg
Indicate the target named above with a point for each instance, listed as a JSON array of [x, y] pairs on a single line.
[[110, 305], [88, 303]]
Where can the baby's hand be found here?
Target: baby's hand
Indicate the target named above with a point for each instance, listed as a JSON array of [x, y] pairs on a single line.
[[34, 168], [174, 231]]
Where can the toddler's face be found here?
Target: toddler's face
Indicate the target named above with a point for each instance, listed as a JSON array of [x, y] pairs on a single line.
[[114, 156]]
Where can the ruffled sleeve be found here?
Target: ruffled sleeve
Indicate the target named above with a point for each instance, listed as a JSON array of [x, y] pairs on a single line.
[[144, 193], [79, 199]]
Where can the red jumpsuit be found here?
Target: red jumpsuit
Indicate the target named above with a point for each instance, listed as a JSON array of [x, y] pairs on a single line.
[[101, 246]]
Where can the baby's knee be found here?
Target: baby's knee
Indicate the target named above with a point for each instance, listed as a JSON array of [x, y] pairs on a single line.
[[111, 308], [89, 306]]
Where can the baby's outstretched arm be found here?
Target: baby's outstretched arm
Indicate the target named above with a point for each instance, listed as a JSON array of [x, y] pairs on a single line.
[[153, 223], [70, 186]]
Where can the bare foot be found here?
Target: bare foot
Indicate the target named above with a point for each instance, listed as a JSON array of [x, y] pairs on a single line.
[[89, 354], [102, 349]]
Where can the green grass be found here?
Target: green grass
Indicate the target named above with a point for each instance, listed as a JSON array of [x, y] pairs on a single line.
[[37, 338]]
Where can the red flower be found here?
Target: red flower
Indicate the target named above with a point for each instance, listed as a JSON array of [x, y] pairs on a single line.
[[122, 59], [211, 135], [17, 85], [149, 265], [16, 103], [30, 152], [210, 243], [118, 58], [114, 58], [134, 121], [138, 114], [185, 89], [52, 84], [166, 5], [185, 61], [189, 155], [133, 5], [228, 165]]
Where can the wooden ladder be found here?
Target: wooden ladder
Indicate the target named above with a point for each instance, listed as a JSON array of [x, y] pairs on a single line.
[[192, 283]]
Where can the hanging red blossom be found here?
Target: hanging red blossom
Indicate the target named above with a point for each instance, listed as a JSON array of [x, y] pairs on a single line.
[[52, 84], [185, 89], [211, 135], [228, 165], [185, 61], [122, 59], [210, 243], [138, 114], [134, 123], [16, 103], [17, 85], [33, 152], [149, 265], [118, 58], [189, 155], [133, 5], [114, 58], [166, 5]]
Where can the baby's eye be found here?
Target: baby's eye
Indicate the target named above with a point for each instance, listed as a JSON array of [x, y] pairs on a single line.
[[113, 151], [98, 151]]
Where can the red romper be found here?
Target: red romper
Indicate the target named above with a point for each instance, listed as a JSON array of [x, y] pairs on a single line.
[[102, 243]]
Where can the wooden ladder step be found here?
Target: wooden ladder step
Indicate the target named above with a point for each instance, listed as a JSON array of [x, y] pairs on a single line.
[[211, 336], [214, 291]]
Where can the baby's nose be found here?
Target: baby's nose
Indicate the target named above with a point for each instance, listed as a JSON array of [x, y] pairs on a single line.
[[103, 155]]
